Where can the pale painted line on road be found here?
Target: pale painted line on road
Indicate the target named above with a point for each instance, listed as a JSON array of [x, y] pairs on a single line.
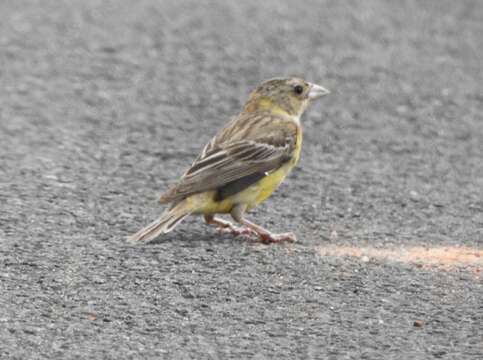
[[438, 257]]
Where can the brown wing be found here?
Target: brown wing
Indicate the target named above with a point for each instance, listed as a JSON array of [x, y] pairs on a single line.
[[223, 161]]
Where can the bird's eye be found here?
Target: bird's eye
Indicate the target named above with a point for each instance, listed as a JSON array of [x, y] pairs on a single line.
[[299, 89]]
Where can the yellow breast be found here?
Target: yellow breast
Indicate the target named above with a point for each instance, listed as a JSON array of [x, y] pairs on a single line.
[[253, 195], [270, 183]]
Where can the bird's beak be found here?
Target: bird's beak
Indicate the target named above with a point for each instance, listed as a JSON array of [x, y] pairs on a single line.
[[317, 91]]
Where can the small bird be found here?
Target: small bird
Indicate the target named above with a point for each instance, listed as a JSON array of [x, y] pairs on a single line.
[[243, 164]]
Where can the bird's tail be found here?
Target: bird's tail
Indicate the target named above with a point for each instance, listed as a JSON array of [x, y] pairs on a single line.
[[166, 222]]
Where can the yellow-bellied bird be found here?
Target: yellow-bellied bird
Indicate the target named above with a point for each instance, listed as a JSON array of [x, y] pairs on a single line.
[[243, 164]]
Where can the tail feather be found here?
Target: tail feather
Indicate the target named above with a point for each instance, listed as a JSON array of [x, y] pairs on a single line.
[[163, 225]]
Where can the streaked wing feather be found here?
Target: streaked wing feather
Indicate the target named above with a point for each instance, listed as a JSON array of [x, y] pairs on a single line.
[[224, 164]]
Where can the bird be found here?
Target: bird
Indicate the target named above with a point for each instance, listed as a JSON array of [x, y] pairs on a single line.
[[243, 164]]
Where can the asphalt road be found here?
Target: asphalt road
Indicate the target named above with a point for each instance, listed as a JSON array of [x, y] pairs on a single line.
[[105, 103]]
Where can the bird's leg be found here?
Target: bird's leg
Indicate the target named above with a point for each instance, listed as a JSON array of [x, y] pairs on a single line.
[[211, 220], [264, 235], [227, 226], [267, 236]]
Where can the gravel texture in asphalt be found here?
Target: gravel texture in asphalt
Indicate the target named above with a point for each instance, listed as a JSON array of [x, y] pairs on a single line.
[[105, 103]]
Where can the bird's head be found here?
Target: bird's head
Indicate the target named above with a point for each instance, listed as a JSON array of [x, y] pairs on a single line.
[[285, 95]]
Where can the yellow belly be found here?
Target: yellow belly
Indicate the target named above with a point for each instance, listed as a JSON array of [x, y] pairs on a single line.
[[270, 183], [251, 196]]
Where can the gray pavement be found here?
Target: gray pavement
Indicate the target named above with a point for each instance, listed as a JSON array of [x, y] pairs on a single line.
[[104, 103]]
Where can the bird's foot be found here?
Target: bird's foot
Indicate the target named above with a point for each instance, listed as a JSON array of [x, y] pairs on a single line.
[[236, 230], [269, 238]]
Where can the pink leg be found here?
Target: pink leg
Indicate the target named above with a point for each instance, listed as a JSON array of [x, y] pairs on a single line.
[[267, 236], [227, 226], [264, 235]]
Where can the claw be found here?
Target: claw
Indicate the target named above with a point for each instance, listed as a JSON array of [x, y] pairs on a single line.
[[249, 230], [236, 231]]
